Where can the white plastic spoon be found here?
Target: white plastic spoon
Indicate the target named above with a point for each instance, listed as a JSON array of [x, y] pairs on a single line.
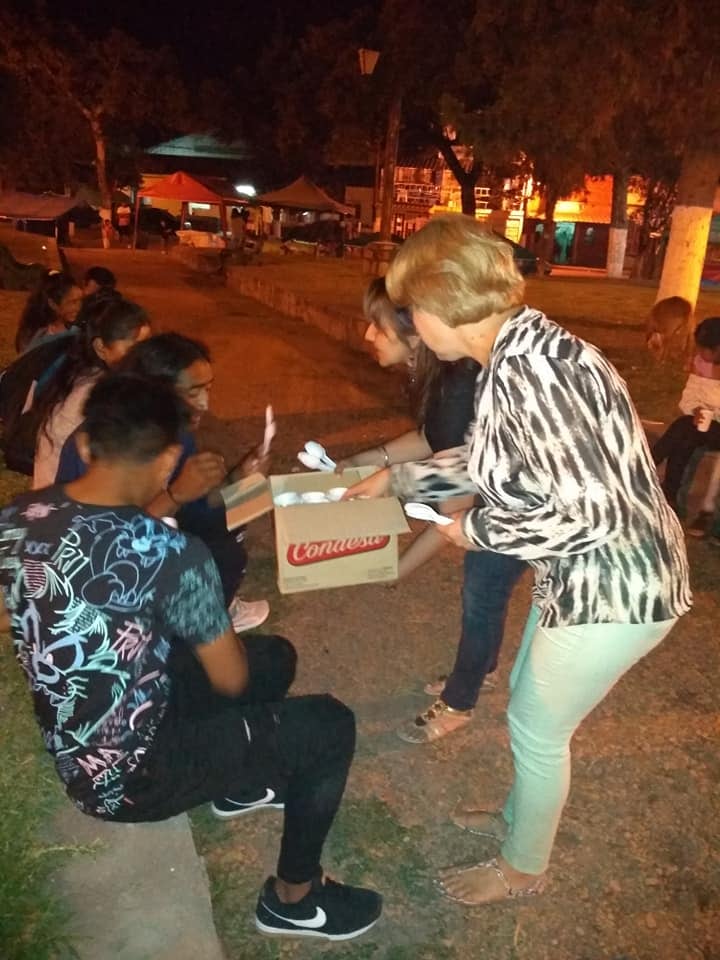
[[421, 511], [316, 449], [313, 463], [270, 430]]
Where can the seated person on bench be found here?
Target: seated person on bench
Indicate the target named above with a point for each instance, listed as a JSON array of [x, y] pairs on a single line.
[[147, 700]]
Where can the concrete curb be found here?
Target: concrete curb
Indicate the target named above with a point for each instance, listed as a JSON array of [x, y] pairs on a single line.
[[346, 327], [141, 893]]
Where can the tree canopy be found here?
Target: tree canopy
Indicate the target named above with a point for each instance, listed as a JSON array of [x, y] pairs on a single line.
[[110, 87]]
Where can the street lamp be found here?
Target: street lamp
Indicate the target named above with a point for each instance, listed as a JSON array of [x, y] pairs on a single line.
[[368, 61]]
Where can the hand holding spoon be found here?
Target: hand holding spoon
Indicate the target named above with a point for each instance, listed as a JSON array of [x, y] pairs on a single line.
[[316, 449], [270, 430], [313, 463], [421, 511]]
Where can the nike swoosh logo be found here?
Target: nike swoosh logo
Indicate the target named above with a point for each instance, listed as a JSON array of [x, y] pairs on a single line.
[[314, 923], [268, 798]]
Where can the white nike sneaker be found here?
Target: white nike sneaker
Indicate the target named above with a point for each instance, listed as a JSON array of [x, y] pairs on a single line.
[[331, 911], [227, 808], [248, 614]]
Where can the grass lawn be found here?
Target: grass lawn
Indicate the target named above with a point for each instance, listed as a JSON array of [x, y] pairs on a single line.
[[646, 889], [608, 313], [32, 918]]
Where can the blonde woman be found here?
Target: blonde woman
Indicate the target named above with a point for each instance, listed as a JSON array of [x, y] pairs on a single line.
[[560, 460]]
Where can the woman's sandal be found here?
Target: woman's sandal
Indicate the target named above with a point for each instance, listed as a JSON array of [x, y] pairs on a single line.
[[507, 893], [492, 824], [437, 721]]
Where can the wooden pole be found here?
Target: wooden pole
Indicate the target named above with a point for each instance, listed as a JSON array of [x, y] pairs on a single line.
[[223, 221], [137, 217]]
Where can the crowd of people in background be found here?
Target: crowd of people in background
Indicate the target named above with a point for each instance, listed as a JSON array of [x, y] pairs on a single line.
[[128, 624]]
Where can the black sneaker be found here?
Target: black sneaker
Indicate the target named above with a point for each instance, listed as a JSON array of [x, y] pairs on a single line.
[[333, 911], [228, 807]]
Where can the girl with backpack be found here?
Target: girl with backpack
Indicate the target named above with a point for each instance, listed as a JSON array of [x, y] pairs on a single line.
[[110, 326], [50, 310]]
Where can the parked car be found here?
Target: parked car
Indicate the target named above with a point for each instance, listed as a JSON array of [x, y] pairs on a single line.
[[363, 239], [527, 263], [321, 231], [150, 217]]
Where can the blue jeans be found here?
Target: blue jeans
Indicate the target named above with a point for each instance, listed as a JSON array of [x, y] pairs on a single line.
[[489, 579]]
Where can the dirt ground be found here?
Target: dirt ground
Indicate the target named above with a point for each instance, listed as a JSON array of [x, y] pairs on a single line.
[[636, 869]]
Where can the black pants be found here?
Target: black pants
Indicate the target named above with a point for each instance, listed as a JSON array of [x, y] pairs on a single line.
[[677, 445], [209, 746]]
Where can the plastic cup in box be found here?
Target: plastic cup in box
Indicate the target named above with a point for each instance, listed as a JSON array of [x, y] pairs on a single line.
[[704, 419], [287, 499], [335, 493], [313, 496]]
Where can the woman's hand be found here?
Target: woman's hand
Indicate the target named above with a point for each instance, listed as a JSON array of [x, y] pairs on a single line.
[[376, 485], [345, 464], [454, 532]]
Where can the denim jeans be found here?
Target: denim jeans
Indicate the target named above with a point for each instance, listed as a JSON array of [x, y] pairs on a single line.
[[559, 676], [489, 579]]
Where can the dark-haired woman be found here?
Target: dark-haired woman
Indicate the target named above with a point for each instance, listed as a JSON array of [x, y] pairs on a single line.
[[442, 402], [110, 327], [49, 310]]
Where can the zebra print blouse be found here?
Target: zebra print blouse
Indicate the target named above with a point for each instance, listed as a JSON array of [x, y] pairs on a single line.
[[559, 458]]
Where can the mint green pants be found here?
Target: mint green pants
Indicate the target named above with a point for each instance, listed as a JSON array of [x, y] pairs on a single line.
[[560, 675]]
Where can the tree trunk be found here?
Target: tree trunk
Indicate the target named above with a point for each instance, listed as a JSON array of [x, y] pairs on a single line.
[[467, 179], [547, 247], [101, 170], [392, 138], [690, 226], [467, 195], [375, 219], [618, 225]]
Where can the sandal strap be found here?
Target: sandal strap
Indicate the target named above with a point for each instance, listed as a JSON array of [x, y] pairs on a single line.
[[440, 707], [510, 891], [495, 867]]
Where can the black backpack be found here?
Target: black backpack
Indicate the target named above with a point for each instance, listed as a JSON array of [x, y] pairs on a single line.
[[20, 426]]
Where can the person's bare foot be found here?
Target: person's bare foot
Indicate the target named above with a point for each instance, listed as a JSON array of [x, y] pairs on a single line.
[[489, 883], [483, 823]]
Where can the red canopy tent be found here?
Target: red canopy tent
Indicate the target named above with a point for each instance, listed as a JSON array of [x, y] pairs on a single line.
[[181, 186]]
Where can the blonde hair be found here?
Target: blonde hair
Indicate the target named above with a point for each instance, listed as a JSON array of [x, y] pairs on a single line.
[[457, 270]]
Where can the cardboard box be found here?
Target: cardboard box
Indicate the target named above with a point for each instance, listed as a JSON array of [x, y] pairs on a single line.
[[326, 544]]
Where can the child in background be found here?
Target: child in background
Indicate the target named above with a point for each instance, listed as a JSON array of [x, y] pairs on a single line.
[[699, 427]]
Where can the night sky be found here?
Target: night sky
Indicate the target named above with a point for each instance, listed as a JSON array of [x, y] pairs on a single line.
[[207, 38]]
